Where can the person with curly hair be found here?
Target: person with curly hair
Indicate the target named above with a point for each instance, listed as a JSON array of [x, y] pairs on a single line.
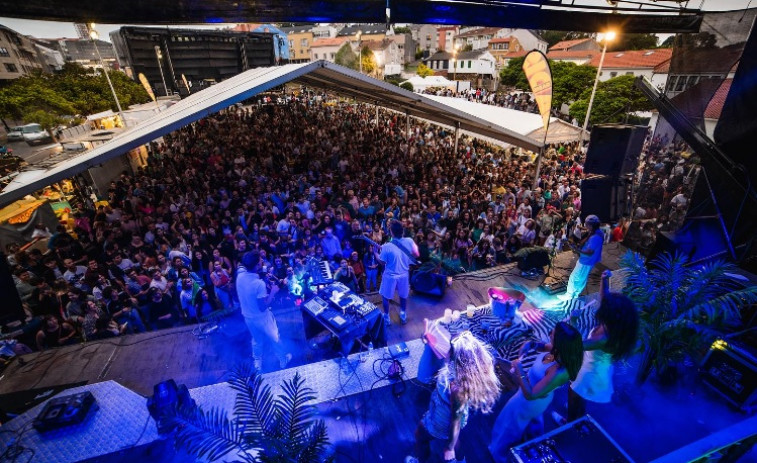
[[467, 382]]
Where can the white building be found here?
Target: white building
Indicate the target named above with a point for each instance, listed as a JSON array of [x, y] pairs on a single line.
[[633, 63], [324, 31], [477, 38], [326, 48], [527, 39], [425, 36]]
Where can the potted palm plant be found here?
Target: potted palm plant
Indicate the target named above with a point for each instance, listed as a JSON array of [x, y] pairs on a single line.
[[263, 429], [682, 307]]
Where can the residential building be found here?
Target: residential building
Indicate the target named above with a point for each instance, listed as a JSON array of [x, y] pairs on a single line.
[[388, 55], [573, 56], [585, 44], [202, 56], [503, 49], [528, 40], [446, 37], [406, 47], [83, 52], [51, 60], [715, 107], [689, 68], [476, 66], [324, 31], [369, 32], [300, 39], [477, 38], [424, 35], [326, 49], [18, 55], [632, 62]]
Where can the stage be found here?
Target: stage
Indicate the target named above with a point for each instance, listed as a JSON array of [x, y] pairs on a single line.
[[368, 420]]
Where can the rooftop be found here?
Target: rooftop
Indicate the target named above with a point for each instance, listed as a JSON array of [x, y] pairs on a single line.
[[366, 28], [715, 106], [501, 40], [328, 42], [634, 59], [572, 54], [480, 31], [568, 44]]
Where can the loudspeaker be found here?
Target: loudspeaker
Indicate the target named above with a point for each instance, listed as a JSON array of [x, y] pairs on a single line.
[[431, 284], [11, 309], [534, 257], [604, 197], [731, 370], [614, 150]]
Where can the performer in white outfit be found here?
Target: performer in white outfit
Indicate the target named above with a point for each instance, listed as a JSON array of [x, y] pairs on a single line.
[[396, 257]]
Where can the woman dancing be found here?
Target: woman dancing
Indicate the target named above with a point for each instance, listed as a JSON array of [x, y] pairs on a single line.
[[467, 382], [550, 370]]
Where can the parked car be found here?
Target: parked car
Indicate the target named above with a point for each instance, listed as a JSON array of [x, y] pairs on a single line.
[[34, 133], [16, 133]]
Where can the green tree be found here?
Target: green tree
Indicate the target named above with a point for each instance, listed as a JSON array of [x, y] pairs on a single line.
[[668, 43], [424, 71], [569, 81], [552, 37], [401, 30], [407, 86], [633, 42], [369, 60], [615, 98], [468, 47], [346, 57], [512, 75]]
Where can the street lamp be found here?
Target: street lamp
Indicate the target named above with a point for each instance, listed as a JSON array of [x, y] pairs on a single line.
[[94, 35], [359, 50], [159, 56], [454, 66], [377, 59], [609, 37]]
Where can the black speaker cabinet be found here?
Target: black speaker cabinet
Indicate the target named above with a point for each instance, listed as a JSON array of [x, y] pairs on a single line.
[[614, 149], [604, 197], [730, 369]]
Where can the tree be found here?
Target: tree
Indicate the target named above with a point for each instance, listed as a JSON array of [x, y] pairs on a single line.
[[512, 75], [424, 71], [407, 86], [615, 98], [401, 30], [346, 57], [569, 81], [668, 43], [369, 60], [633, 42], [468, 47]]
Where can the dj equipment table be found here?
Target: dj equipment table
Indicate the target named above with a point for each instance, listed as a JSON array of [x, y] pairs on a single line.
[[344, 314]]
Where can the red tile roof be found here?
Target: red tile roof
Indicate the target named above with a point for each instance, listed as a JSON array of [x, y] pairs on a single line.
[[633, 59], [328, 42], [568, 44], [501, 40], [572, 54], [715, 106]]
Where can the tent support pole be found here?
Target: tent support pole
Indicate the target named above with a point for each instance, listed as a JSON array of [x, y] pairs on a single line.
[[457, 136], [407, 129], [539, 158]]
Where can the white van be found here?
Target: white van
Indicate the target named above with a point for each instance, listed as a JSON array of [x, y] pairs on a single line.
[[34, 133]]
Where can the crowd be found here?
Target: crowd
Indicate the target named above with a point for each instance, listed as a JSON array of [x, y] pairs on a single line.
[[518, 100], [297, 182]]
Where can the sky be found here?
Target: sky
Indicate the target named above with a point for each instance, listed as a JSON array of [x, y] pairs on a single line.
[[49, 29]]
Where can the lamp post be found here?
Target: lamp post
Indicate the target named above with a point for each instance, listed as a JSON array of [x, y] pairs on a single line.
[[159, 56], [359, 50], [94, 35], [609, 36]]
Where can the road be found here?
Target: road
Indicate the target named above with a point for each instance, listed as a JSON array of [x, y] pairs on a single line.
[[34, 154]]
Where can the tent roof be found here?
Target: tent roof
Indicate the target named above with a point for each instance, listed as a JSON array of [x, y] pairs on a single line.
[[318, 74], [527, 124]]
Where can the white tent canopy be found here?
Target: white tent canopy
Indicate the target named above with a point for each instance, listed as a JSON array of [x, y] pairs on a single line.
[[521, 122], [422, 83], [318, 74]]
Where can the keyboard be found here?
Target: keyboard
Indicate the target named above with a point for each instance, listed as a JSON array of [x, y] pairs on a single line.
[[320, 272]]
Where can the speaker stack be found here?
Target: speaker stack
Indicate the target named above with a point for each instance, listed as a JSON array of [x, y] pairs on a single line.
[[612, 157]]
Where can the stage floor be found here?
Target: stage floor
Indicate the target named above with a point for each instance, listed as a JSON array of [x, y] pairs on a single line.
[[377, 425]]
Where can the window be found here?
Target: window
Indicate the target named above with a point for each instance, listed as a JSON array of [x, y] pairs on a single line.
[[681, 82], [291, 44], [613, 74], [470, 64], [629, 73], [304, 43], [315, 55], [10, 67], [333, 56], [4, 52]]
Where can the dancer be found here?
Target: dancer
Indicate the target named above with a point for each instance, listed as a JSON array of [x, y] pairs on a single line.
[[467, 382], [255, 300], [590, 253], [397, 255], [550, 370], [611, 340]]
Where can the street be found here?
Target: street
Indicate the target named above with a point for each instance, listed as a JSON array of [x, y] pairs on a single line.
[[34, 154]]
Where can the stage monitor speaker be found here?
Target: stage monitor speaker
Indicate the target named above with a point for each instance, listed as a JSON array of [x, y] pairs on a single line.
[[11, 309], [730, 368], [614, 150], [604, 197], [430, 284]]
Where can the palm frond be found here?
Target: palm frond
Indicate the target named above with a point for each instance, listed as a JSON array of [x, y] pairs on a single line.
[[725, 308], [253, 405], [708, 282], [207, 434], [315, 443], [294, 415], [638, 284]]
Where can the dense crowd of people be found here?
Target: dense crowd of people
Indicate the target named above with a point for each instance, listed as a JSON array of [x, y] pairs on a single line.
[[296, 182]]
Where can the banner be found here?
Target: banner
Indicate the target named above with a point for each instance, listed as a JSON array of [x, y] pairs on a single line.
[[146, 85], [539, 75]]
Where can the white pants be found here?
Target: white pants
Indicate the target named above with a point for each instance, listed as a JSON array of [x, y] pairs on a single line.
[[391, 283], [577, 280]]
